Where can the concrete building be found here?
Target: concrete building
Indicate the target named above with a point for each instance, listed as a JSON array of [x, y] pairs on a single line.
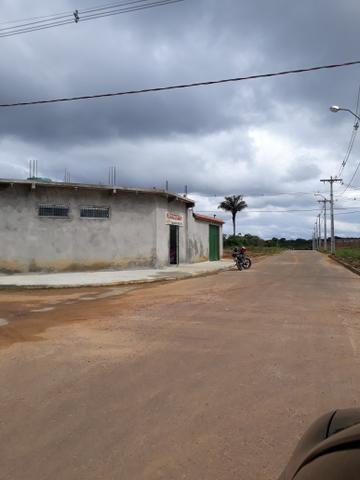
[[53, 226]]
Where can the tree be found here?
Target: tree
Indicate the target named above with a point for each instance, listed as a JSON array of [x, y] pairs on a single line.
[[233, 204]]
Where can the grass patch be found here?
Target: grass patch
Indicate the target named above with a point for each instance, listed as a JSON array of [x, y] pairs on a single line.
[[349, 255]]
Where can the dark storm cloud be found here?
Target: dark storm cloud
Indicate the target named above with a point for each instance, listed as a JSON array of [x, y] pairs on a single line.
[[271, 135]]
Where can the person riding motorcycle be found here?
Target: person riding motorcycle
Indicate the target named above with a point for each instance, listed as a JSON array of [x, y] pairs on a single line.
[[242, 252], [241, 260], [239, 252]]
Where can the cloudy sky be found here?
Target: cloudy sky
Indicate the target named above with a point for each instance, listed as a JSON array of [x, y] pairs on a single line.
[[263, 138]]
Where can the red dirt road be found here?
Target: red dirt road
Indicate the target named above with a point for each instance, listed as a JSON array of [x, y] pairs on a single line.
[[211, 378]]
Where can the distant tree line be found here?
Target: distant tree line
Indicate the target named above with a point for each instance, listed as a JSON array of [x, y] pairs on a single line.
[[249, 240]]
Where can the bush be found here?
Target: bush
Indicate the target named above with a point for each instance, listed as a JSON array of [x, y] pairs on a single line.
[[248, 240]]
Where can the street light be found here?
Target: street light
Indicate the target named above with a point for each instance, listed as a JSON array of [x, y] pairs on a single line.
[[331, 180], [336, 108]]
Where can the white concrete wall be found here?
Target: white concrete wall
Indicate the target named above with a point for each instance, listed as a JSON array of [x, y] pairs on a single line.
[[30, 243], [136, 235], [198, 243]]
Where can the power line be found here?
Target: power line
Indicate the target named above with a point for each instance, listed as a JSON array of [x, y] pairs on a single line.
[[132, 9], [350, 147], [352, 178], [85, 15], [352, 138], [110, 6], [346, 213], [33, 29], [291, 210], [35, 22], [262, 194], [181, 86], [71, 13], [29, 19]]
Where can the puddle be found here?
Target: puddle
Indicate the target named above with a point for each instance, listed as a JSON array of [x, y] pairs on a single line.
[[3, 322]]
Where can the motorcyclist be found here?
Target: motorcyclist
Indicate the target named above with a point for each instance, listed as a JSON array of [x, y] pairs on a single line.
[[242, 252]]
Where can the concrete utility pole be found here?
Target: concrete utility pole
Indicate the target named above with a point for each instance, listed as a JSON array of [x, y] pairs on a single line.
[[319, 230], [331, 180], [316, 235], [324, 201]]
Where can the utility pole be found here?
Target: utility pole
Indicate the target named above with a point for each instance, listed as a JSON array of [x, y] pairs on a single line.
[[324, 201], [331, 180], [319, 230], [316, 235]]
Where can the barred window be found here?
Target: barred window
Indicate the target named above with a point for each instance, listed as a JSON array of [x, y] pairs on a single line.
[[58, 211], [95, 212]]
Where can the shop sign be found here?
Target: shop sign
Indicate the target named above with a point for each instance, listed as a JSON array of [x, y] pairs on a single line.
[[174, 219]]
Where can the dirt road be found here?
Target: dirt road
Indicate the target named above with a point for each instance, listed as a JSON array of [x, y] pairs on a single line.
[[211, 378]]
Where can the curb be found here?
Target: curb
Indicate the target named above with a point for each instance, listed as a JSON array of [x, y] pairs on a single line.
[[170, 278], [344, 264]]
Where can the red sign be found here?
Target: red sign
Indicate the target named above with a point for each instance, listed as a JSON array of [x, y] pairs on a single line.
[[172, 218]]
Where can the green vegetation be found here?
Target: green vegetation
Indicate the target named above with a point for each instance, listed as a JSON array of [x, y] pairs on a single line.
[[349, 255], [275, 245], [233, 204]]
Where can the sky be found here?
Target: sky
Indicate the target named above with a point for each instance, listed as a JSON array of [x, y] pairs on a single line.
[[271, 140]]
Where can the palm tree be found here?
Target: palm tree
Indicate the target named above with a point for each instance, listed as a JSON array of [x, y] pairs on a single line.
[[233, 204]]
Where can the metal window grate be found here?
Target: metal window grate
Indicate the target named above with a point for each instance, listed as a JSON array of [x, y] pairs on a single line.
[[95, 212], [57, 211]]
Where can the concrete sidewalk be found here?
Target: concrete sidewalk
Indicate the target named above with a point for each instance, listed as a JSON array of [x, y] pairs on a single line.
[[111, 277]]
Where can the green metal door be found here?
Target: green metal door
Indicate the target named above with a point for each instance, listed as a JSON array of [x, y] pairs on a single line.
[[214, 253]]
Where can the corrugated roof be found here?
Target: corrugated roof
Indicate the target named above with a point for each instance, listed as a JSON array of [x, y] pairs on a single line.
[[90, 186], [205, 218]]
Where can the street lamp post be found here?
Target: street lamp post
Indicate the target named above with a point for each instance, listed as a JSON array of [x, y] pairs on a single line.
[[336, 108], [331, 180]]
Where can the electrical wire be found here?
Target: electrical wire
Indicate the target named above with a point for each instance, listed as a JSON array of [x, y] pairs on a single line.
[[132, 9], [350, 147], [180, 86], [352, 178], [36, 22], [68, 14], [84, 15], [43, 17], [346, 213], [33, 29], [281, 211], [110, 6], [352, 138], [262, 194]]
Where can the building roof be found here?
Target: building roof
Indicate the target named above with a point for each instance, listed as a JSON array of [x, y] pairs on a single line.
[[205, 218], [46, 183]]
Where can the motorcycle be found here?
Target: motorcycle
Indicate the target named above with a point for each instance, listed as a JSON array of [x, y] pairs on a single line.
[[241, 260]]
